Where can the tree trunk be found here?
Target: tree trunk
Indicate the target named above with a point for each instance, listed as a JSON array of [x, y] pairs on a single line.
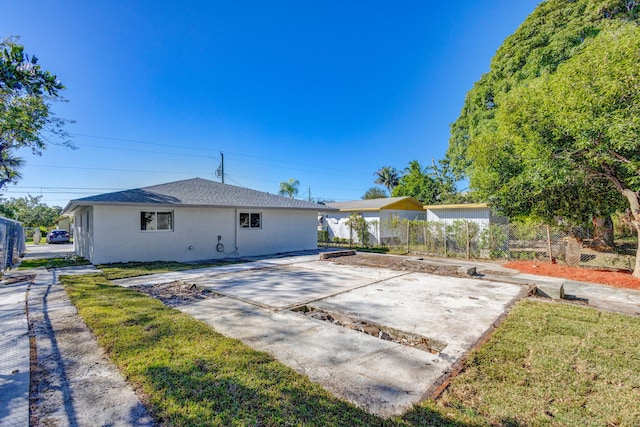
[[634, 204], [636, 268], [603, 230]]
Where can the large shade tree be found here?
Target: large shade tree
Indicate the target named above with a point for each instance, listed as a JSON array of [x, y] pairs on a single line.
[[417, 182], [30, 211], [553, 128], [26, 119], [374, 193], [430, 185]]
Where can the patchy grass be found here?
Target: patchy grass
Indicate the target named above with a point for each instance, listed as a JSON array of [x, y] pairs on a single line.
[[57, 262], [548, 364], [553, 364], [192, 375], [132, 269]]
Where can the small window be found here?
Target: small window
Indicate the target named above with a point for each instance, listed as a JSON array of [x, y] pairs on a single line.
[[156, 220], [250, 220]]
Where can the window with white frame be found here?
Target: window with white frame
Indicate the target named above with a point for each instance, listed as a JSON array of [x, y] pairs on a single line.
[[250, 220], [156, 220]]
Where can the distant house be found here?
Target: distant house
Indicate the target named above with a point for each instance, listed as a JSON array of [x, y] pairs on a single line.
[[479, 213], [190, 220], [377, 213]]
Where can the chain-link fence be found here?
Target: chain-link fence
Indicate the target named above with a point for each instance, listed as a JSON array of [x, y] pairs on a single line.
[[474, 240], [12, 243]]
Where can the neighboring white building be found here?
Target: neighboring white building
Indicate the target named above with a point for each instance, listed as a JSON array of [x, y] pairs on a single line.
[[190, 220], [479, 213], [376, 212]]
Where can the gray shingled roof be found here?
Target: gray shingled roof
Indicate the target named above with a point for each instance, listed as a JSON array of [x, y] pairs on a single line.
[[196, 192], [369, 204]]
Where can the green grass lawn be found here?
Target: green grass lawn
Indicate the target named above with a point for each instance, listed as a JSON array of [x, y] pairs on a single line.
[[132, 269], [58, 262], [548, 364]]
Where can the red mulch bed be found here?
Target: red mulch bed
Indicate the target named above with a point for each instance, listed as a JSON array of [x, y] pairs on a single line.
[[619, 279]]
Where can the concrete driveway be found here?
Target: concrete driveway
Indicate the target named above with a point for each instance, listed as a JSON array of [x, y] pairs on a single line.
[[259, 303], [45, 250]]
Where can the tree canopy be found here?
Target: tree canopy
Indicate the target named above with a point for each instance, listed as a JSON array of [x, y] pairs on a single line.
[[30, 211], [554, 127], [430, 185], [417, 182], [374, 193], [26, 119], [518, 172]]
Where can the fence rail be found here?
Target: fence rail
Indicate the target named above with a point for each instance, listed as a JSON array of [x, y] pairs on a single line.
[[12, 243], [471, 240]]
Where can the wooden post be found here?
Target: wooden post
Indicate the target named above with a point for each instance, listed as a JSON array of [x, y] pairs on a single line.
[[466, 223], [549, 245], [444, 236], [408, 234]]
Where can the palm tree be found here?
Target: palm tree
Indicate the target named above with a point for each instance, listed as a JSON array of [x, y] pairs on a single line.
[[388, 177], [9, 168], [289, 188]]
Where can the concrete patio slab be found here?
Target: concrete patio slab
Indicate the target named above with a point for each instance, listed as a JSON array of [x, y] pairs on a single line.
[[381, 376], [456, 311], [286, 286]]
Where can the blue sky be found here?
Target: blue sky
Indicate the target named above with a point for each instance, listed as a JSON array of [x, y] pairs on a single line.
[[323, 92]]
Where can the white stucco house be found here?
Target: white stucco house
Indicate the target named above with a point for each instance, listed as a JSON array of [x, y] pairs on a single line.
[[376, 212], [190, 220], [479, 213]]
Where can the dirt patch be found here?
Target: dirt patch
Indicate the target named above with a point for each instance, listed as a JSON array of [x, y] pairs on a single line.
[[401, 263], [382, 332], [11, 280], [618, 279], [176, 293]]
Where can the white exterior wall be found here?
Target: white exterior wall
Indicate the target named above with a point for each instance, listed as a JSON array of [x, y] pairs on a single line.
[[116, 234], [481, 216], [281, 231], [337, 224]]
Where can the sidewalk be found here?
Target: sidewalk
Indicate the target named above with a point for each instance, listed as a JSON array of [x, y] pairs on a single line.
[[82, 387], [14, 356]]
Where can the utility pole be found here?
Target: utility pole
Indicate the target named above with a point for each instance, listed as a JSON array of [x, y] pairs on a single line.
[[220, 170]]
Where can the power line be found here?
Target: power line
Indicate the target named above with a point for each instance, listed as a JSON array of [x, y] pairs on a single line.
[[239, 154], [120, 170]]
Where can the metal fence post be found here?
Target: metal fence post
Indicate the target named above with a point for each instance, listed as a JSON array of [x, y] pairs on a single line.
[[549, 244]]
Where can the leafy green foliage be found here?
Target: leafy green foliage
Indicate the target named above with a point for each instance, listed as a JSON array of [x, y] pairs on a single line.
[[531, 133], [374, 193], [429, 185], [30, 211], [359, 228], [26, 119]]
